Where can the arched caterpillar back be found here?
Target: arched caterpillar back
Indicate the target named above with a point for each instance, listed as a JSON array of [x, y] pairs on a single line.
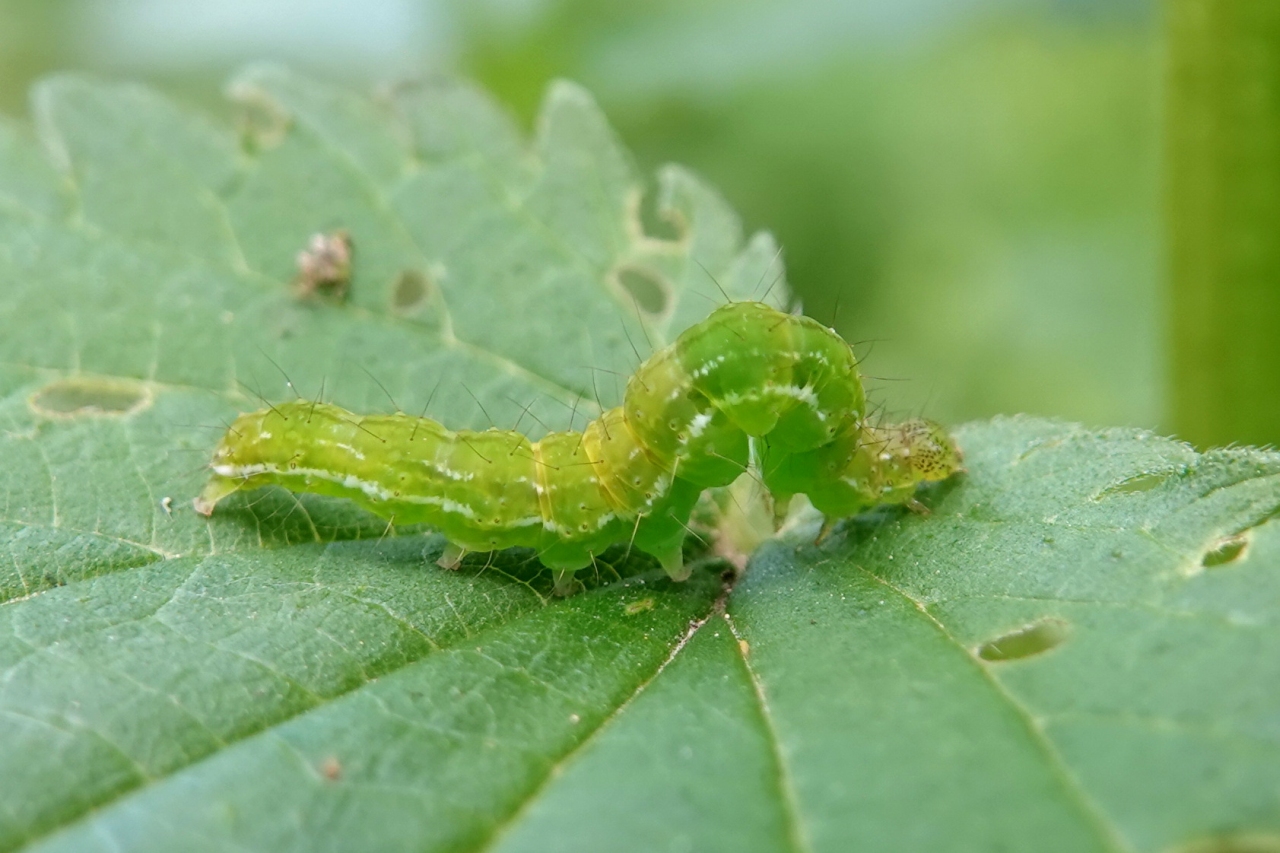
[[689, 413]]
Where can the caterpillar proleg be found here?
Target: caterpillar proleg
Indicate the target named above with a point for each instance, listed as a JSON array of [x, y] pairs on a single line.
[[746, 376]]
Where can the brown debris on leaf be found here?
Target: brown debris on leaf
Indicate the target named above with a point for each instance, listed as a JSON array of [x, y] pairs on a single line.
[[324, 267]]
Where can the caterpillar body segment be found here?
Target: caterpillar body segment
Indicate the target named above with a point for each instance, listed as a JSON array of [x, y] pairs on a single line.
[[746, 375]]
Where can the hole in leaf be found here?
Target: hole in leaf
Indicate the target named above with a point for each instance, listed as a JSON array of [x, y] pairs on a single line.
[[411, 290], [666, 225], [1226, 551], [1025, 642], [1143, 483], [649, 289], [89, 396], [1134, 485]]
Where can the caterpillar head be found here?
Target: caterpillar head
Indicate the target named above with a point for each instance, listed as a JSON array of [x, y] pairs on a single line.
[[926, 449], [896, 458]]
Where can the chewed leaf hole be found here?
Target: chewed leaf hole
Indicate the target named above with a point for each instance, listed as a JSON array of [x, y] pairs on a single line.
[[649, 289], [90, 396], [1226, 551], [1134, 485], [411, 290], [1025, 642], [656, 222]]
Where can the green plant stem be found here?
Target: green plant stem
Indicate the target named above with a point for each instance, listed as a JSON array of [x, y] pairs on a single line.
[[1224, 219]]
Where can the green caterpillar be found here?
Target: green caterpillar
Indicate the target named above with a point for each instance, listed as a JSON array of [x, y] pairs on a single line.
[[746, 377]]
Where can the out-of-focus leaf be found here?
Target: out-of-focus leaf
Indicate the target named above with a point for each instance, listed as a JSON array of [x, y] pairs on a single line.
[[971, 185]]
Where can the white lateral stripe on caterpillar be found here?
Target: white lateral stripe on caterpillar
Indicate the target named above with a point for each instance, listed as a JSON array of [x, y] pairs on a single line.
[[746, 373]]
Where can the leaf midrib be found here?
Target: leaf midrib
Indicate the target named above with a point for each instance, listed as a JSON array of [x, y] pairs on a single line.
[[505, 825], [797, 830]]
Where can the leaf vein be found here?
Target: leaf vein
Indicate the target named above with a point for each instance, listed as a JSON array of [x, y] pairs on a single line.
[[1108, 835]]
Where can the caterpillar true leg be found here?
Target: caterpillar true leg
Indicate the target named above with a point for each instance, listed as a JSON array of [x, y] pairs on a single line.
[[689, 415]]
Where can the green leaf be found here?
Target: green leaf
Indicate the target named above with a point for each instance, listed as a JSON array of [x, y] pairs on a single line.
[[1077, 649]]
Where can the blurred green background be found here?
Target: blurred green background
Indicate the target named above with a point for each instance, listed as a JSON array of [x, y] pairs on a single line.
[[971, 188]]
